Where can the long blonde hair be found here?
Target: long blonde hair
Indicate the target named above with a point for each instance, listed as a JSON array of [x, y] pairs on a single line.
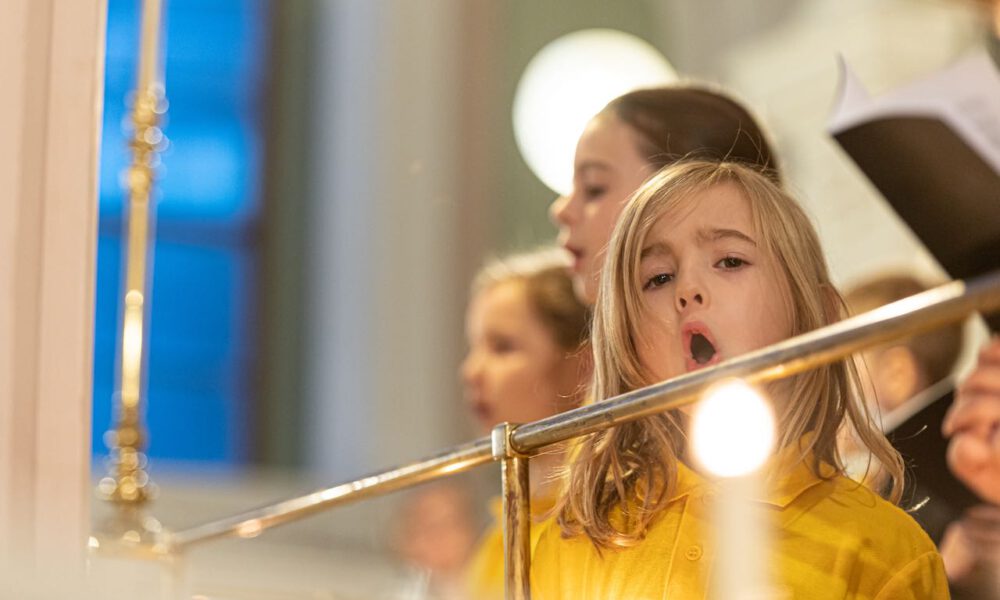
[[620, 478]]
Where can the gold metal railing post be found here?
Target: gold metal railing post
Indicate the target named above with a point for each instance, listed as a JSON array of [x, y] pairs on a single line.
[[127, 485], [516, 514]]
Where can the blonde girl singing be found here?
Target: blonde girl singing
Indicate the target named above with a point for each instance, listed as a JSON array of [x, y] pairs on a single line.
[[709, 261]]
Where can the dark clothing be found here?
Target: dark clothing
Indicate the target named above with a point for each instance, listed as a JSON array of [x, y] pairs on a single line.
[[928, 478]]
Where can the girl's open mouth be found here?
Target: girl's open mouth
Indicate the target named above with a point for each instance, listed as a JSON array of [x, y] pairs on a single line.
[[576, 256], [702, 350], [699, 346]]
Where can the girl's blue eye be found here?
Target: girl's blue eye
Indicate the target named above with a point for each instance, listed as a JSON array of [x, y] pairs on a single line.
[[657, 280], [731, 262]]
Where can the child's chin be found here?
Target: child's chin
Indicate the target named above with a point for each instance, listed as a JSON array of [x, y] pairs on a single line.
[[666, 374]]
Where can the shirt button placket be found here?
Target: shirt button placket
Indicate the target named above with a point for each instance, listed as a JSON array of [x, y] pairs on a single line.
[[688, 578]]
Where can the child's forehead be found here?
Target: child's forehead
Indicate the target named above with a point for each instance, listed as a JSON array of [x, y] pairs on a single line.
[[719, 206]]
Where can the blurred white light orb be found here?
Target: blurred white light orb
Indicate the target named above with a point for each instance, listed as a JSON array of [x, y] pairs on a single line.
[[568, 82], [732, 429]]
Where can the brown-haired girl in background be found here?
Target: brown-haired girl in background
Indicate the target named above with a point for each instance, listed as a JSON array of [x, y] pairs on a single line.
[[527, 360], [634, 136]]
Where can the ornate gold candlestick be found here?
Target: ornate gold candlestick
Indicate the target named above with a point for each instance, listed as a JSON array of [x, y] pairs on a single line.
[[127, 485]]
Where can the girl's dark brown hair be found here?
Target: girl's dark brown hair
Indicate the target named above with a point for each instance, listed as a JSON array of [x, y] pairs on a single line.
[[682, 122]]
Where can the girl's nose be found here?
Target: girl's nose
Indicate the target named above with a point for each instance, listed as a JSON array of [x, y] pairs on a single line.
[[689, 296], [470, 368], [560, 211]]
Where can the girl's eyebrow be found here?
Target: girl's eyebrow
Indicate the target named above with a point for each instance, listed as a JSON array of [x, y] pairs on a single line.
[[656, 249], [714, 235], [591, 165], [661, 249]]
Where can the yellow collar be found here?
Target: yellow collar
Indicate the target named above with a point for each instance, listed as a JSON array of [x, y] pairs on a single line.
[[787, 475]]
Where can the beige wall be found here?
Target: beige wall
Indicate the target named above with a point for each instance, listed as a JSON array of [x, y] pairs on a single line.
[[51, 69], [385, 275]]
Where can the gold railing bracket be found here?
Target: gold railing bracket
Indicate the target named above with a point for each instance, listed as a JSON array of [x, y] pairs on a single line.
[[516, 513], [500, 442]]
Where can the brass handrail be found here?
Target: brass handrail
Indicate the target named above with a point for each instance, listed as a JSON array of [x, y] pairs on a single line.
[[916, 314], [922, 312], [252, 523]]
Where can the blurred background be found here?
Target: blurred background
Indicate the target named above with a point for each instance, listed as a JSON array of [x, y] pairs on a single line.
[[338, 169]]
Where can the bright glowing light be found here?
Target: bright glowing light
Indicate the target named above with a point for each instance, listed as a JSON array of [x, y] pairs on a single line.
[[567, 83], [732, 430]]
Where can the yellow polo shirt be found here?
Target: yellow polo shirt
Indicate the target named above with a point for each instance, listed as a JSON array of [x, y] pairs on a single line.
[[484, 576], [830, 539]]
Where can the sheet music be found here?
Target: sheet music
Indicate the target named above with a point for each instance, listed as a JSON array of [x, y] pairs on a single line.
[[965, 95]]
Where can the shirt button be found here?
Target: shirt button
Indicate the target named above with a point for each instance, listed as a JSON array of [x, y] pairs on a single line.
[[693, 553]]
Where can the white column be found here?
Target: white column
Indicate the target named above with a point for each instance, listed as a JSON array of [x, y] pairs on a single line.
[[340, 278], [386, 271], [52, 69]]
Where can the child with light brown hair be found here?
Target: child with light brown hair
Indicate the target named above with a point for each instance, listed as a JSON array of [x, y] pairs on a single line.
[[709, 261], [528, 359]]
